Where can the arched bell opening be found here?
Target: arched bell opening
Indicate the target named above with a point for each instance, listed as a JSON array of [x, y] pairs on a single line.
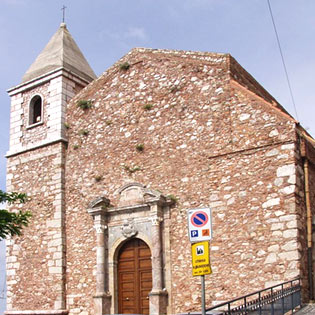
[[35, 110]]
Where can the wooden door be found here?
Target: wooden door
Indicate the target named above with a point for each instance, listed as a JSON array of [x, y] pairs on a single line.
[[134, 277]]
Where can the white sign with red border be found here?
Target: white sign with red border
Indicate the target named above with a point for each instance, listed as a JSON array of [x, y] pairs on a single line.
[[199, 225]]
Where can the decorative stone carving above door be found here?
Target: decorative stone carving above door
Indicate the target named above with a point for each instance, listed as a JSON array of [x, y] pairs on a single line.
[[128, 229]]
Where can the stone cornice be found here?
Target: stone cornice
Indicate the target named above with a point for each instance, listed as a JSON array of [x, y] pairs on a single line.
[[40, 145], [45, 78]]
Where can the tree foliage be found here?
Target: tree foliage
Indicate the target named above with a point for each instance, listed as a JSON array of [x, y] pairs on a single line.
[[11, 223]]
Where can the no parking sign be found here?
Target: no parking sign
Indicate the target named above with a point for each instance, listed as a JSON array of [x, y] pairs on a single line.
[[199, 225]]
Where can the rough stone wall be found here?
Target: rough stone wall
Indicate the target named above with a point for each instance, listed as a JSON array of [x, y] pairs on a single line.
[[35, 262], [254, 224], [304, 152], [302, 221], [312, 198], [206, 140], [312, 187], [81, 251], [310, 156]]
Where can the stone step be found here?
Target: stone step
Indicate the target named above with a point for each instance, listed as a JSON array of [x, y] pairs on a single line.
[[306, 309]]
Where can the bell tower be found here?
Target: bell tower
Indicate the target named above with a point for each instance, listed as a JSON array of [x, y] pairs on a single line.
[[36, 166], [38, 104]]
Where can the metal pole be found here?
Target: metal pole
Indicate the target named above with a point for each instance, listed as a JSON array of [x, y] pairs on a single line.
[[203, 295], [272, 306], [282, 294]]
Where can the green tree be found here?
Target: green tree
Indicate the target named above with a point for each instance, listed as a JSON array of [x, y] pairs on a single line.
[[11, 223]]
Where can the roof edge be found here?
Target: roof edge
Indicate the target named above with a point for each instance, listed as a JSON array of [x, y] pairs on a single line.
[[197, 55], [284, 113], [245, 79]]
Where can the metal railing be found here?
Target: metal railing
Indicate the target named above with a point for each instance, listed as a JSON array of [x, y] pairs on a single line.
[[275, 300]]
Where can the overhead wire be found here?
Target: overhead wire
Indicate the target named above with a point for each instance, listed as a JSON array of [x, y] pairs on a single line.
[[283, 62]]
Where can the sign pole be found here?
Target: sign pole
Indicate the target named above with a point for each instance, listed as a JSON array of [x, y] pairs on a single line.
[[200, 233], [203, 295]]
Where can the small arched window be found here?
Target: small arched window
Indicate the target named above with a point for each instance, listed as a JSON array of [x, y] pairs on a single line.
[[36, 112]]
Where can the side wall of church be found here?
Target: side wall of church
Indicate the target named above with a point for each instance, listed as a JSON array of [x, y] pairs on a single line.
[[35, 262], [312, 200], [208, 142], [308, 163]]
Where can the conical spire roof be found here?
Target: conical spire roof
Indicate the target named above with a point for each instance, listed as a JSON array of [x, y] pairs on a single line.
[[61, 51]]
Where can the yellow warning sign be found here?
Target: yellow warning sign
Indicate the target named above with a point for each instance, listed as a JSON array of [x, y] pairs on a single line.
[[200, 259]]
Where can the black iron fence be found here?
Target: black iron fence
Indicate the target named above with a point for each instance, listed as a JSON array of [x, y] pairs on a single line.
[[277, 300]]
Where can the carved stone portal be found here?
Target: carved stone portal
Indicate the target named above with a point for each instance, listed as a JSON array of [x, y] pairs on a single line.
[[141, 212]]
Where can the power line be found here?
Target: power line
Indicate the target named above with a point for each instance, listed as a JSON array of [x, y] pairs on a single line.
[[283, 62]]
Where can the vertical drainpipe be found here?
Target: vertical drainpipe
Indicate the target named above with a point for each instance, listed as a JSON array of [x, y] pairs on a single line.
[[309, 227]]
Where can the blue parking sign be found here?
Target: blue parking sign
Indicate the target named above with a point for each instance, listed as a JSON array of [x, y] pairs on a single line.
[[194, 233]]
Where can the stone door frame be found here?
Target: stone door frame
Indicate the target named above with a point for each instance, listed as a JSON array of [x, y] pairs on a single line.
[[142, 213]]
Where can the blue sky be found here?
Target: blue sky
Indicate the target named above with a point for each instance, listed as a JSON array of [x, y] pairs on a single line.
[[105, 30]]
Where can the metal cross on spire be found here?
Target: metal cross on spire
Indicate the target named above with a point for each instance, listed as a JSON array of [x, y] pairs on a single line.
[[63, 9]]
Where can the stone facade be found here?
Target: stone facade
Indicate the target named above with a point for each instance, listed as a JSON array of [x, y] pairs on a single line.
[[171, 131], [40, 252]]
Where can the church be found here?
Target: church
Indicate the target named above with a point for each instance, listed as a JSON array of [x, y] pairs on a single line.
[[112, 164]]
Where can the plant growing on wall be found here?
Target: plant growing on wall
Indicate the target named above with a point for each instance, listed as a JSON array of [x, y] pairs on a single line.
[[83, 132], [12, 223], [84, 104], [173, 198], [98, 178], [148, 107], [131, 170], [124, 66], [140, 147]]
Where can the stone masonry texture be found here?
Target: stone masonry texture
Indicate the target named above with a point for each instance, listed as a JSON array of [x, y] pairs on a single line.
[[210, 136], [34, 260]]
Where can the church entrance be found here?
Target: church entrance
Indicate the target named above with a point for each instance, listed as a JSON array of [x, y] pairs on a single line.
[[134, 277]]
